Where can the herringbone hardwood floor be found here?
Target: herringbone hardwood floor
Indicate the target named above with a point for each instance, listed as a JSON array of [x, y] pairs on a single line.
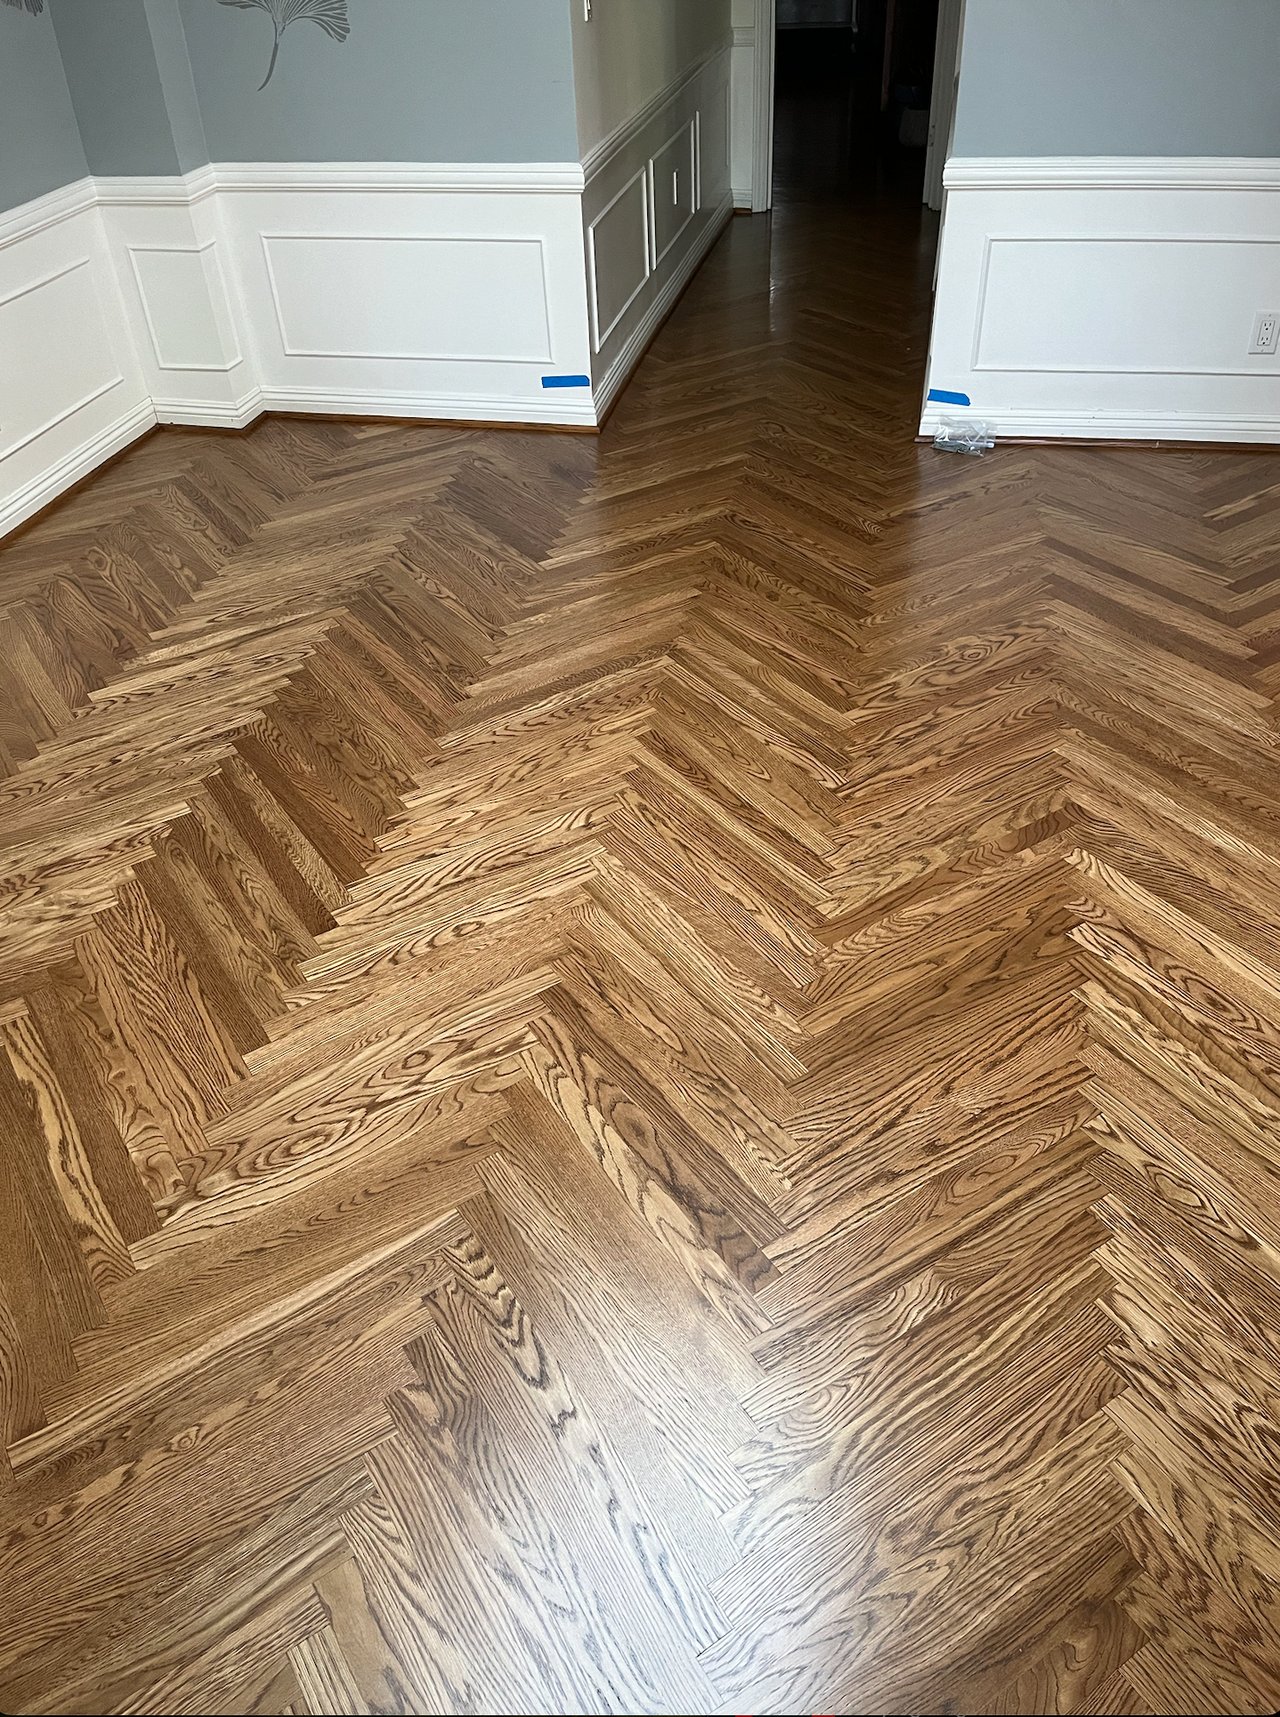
[[644, 1075]]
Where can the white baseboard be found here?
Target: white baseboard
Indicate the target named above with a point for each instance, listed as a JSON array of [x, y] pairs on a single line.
[[211, 414], [1108, 297], [62, 473], [619, 371], [362, 402], [1117, 426], [449, 408]]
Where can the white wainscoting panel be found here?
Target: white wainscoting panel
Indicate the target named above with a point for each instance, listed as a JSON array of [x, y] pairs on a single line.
[[619, 255], [673, 190], [176, 280], [715, 142], [185, 306], [1098, 306], [1109, 298], [420, 299], [414, 290], [71, 390], [460, 291], [415, 298], [657, 197], [49, 380]]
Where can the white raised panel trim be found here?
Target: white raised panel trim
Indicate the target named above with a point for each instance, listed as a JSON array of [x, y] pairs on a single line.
[[1110, 172], [599, 335], [629, 354], [63, 416], [46, 279], [1259, 366], [74, 391], [59, 476], [95, 393], [51, 210], [201, 250], [543, 356], [1108, 297], [604, 151], [682, 134], [642, 259]]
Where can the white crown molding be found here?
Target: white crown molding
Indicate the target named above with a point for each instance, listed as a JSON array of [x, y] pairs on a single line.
[[373, 176], [1111, 173], [604, 151], [60, 205]]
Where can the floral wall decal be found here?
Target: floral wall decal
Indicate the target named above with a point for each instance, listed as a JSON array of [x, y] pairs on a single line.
[[35, 7], [331, 15]]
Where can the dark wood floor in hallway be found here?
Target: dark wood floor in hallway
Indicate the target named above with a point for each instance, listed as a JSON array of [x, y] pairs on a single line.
[[644, 1075]]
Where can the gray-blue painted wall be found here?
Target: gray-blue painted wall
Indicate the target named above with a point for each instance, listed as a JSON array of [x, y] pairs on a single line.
[[416, 80], [173, 62], [40, 146], [111, 69], [1119, 77], [161, 86], [164, 86]]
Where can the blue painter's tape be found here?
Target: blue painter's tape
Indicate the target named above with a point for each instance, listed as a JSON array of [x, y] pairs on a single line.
[[940, 396], [566, 381]]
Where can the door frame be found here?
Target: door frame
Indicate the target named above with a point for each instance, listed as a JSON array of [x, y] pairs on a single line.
[[942, 101], [762, 127], [942, 109]]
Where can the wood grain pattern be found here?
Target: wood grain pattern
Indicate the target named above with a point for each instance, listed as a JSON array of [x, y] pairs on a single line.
[[644, 1074]]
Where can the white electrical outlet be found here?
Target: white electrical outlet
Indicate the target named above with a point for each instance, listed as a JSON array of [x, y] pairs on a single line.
[[1266, 333]]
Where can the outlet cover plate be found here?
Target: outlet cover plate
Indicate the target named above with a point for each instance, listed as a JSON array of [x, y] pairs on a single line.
[[1266, 334]]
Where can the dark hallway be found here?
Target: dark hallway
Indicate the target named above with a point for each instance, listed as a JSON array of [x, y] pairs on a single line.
[[852, 102]]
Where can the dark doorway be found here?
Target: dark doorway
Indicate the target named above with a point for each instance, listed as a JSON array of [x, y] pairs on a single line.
[[852, 94]]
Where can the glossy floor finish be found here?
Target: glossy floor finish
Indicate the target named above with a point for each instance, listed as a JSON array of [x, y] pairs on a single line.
[[643, 1075]]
